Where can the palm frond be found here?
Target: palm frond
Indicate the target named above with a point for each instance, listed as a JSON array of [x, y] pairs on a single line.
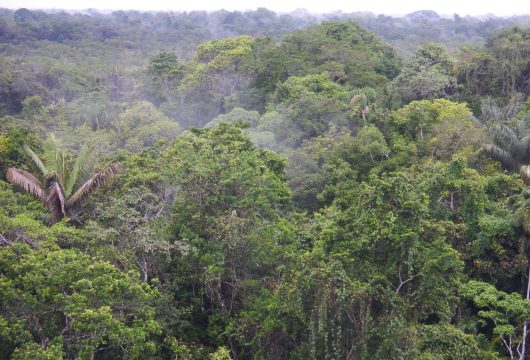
[[56, 201], [50, 152], [26, 181], [358, 99], [369, 92], [83, 169], [525, 148], [509, 134], [490, 111], [512, 108], [92, 184], [36, 160], [525, 171], [507, 160], [508, 140], [55, 158], [61, 166]]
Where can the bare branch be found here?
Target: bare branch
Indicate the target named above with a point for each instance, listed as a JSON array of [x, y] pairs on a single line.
[[403, 282]]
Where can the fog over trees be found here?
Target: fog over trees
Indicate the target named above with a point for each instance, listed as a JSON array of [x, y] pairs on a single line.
[[253, 185]]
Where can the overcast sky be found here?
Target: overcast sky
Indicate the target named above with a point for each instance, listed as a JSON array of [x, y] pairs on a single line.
[[391, 7]]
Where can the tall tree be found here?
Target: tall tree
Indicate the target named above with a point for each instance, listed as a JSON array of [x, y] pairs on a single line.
[[511, 151]]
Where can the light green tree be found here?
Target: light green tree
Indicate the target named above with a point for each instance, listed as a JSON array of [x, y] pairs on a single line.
[[508, 312]]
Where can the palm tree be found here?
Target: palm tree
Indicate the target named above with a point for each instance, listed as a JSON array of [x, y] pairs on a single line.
[[63, 187], [512, 152], [361, 100]]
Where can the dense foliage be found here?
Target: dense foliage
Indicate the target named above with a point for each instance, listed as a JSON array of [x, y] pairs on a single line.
[[250, 185]]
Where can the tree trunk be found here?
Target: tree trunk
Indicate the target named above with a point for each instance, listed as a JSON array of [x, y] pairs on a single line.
[[525, 329]]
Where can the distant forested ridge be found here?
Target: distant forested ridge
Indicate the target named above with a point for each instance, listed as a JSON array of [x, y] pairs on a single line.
[[253, 185]]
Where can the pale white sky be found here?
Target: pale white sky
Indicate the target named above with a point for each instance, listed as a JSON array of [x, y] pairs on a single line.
[[448, 7]]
